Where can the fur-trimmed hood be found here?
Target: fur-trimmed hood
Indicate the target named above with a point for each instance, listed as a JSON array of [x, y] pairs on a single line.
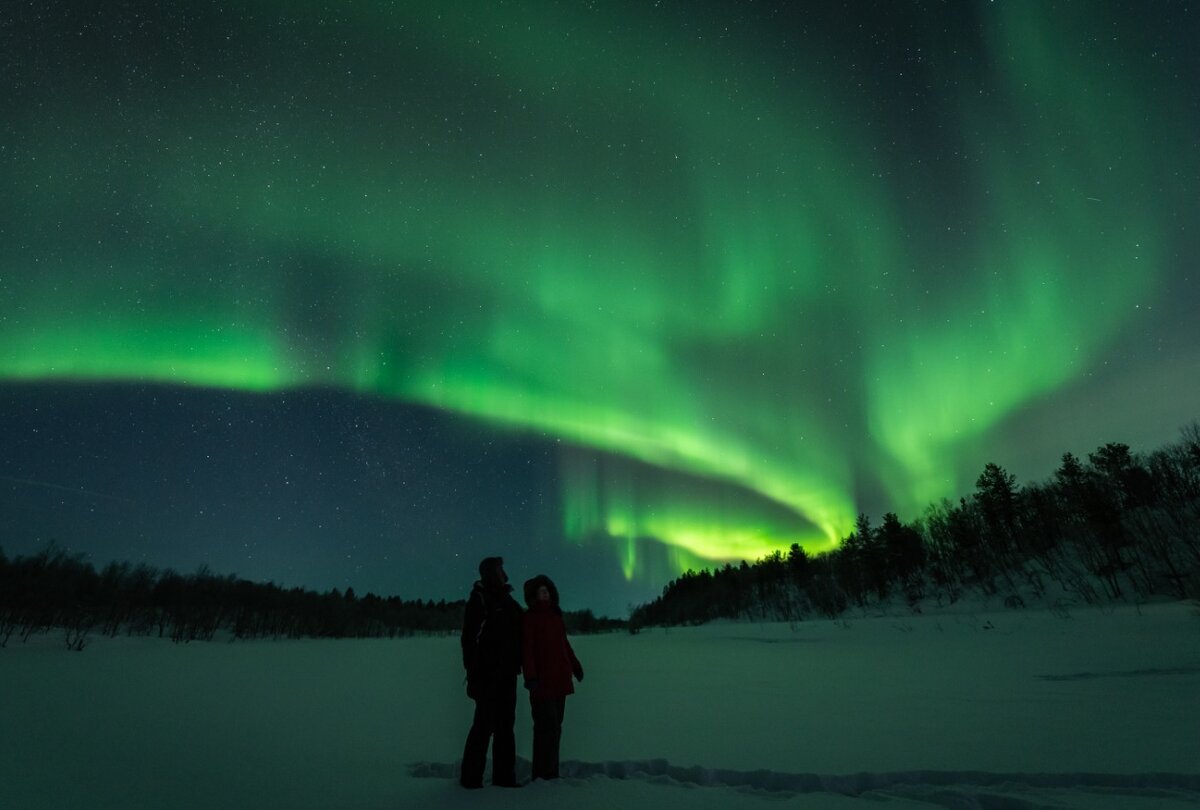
[[531, 589]]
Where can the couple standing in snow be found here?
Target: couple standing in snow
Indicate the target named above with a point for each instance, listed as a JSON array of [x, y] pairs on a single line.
[[499, 641]]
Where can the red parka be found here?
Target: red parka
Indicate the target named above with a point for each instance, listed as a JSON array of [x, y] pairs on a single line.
[[549, 661]]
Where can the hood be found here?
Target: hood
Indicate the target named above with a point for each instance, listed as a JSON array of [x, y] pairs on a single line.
[[531, 588], [493, 588]]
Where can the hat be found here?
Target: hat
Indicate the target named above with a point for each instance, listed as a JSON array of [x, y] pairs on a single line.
[[487, 567]]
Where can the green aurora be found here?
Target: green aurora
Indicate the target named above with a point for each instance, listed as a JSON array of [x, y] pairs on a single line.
[[713, 254]]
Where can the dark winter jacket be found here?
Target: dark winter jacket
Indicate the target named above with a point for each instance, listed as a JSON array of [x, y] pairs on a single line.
[[549, 661], [491, 635]]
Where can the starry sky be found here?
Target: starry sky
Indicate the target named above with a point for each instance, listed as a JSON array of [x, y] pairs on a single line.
[[355, 293]]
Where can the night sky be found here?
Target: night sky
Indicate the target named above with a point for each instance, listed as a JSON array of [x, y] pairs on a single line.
[[355, 293]]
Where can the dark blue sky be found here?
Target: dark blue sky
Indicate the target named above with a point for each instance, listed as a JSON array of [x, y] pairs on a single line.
[[313, 488]]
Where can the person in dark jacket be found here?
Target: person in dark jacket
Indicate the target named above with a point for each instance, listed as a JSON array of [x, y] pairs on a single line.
[[548, 662], [491, 652]]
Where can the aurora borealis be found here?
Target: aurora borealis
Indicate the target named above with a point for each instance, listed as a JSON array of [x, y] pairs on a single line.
[[749, 268]]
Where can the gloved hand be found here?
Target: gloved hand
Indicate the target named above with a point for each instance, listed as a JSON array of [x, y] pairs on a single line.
[[531, 684], [578, 673]]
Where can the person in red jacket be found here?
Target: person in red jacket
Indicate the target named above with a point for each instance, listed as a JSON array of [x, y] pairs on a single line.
[[549, 662]]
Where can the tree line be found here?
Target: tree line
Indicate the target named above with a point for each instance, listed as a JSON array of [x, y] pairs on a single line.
[[1119, 525], [56, 591]]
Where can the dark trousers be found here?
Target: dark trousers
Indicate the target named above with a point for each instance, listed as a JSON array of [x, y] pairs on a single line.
[[547, 733], [495, 714]]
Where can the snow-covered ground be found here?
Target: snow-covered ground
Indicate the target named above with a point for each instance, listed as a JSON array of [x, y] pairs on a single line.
[[1005, 709]]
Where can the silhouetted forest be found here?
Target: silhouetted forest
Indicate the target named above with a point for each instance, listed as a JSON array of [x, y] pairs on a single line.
[[55, 591], [1118, 526]]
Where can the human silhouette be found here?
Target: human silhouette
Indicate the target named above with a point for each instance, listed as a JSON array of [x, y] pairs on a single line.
[[491, 651]]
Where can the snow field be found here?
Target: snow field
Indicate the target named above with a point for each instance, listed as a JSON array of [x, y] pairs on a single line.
[[1098, 709]]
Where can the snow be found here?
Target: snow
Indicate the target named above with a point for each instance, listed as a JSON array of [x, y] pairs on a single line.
[[1093, 708]]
